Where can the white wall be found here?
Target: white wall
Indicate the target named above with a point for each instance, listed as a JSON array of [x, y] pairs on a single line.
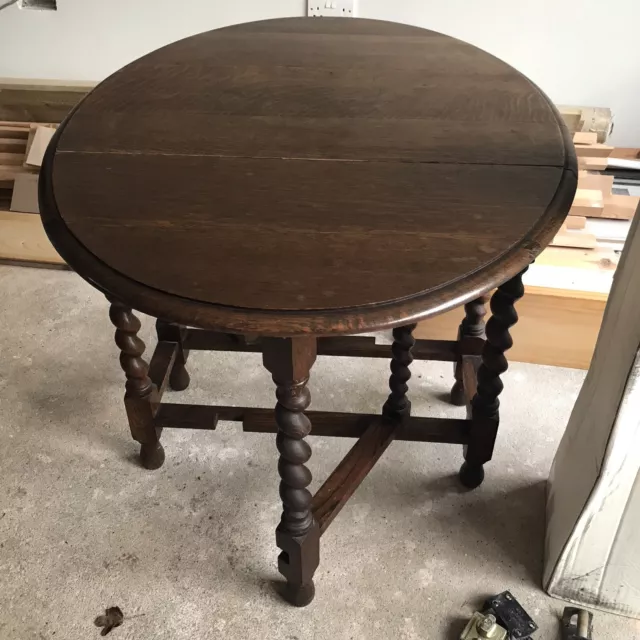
[[576, 50]]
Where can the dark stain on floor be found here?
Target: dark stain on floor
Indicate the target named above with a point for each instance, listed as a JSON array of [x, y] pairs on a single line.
[[112, 618]]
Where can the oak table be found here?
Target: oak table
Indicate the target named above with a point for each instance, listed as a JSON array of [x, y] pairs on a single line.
[[279, 186]]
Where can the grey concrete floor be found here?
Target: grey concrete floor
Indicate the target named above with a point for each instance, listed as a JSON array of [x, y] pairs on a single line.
[[188, 551]]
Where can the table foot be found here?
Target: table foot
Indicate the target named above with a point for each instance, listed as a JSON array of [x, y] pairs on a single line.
[[152, 455], [179, 378], [299, 595], [298, 561], [471, 475], [458, 397]]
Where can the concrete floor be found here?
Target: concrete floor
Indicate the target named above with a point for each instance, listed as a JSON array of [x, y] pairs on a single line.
[[188, 551]]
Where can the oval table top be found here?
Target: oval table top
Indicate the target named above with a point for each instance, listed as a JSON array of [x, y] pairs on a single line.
[[307, 175]]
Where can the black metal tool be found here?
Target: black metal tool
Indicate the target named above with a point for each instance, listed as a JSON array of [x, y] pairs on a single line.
[[510, 614], [577, 624]]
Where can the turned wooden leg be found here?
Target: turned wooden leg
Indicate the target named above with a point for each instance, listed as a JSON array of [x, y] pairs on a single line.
[[169, 332], [140, 392], [485, 404], [472, 326], [398, 406], [298, 535]]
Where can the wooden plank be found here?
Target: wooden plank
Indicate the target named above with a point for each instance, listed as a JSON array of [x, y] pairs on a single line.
[[599, 260], [598, 119], [11, 131], [578, 118], [575, 222], [580, 239], [585, 137], [101, 226], [626, 153], [593, 164], [12, 145], [401, 119], [620, 207], [324, 423], [44, 84], [349, 474], [443, 350], [556, 326], [572, 117], [593, 150], [595, 181], [186, 416], [11, 159], [354, 346], [587, 202], [38, 144], [353, 425], [22, 239], [37, 105], [8, 173], [32, 134], [25, 193]]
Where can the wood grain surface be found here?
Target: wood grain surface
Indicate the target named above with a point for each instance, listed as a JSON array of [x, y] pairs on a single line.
[[307, 176]]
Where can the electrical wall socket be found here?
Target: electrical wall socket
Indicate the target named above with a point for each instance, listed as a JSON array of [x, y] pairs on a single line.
[[332, 8], [42, 5]]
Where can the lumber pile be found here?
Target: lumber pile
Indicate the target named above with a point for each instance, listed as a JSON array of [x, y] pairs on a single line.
[[39, 100], [598, 120], [25, 109], [22, 237], [598, 214]]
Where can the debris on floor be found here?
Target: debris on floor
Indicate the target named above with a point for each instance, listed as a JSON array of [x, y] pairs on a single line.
[[503, 618], [577, 624], [112, 618]]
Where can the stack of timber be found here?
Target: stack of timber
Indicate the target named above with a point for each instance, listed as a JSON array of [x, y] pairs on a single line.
[[599, 217], [598, 120], [39, 100], [22, 237], [25, 109], [602, 209]]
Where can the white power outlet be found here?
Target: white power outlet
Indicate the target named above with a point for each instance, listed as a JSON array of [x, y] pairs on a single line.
[[42, 5], [332, 8]]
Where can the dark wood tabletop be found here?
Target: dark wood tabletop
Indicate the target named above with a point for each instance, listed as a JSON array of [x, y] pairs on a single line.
[[307, 175]]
